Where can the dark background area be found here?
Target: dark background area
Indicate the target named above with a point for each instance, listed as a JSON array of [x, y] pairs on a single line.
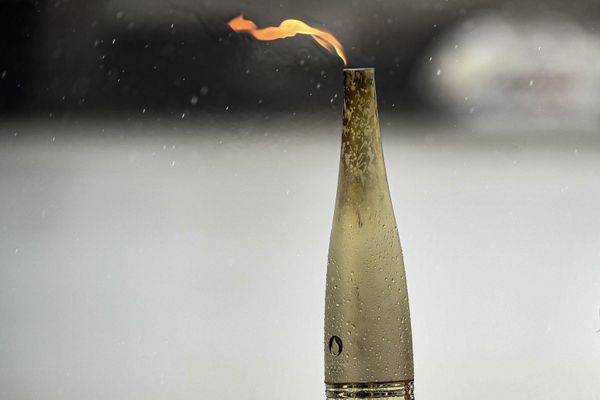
[[175, 57]]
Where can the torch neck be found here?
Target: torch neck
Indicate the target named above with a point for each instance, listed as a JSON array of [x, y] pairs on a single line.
[[362, 168]]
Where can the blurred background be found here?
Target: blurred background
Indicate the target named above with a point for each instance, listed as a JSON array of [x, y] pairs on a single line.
[[167, 189]]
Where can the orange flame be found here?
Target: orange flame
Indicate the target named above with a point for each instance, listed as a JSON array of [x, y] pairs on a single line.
[[289, 28]]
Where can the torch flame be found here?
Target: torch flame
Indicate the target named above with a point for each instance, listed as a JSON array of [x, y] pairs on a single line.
[[289, 28]]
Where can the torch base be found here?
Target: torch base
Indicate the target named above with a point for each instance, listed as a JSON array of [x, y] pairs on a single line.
[[401, 390]]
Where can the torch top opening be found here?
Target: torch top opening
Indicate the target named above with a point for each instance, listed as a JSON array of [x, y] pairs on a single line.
[[359, 69]]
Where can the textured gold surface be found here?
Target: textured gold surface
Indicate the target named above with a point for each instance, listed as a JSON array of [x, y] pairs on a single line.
[[367, 322]]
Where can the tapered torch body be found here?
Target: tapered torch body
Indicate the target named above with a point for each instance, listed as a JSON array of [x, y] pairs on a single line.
[[368, 339]]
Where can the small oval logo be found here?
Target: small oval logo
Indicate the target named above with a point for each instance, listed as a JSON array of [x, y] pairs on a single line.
[[335, 346]]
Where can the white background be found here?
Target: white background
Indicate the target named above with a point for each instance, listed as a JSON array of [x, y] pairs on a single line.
[[188, 260]]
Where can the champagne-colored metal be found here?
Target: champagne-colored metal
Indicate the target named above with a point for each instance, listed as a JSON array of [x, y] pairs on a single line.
[[368, 340]]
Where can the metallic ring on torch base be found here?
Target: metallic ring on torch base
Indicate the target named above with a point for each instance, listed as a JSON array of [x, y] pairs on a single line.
[[401, 390]]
